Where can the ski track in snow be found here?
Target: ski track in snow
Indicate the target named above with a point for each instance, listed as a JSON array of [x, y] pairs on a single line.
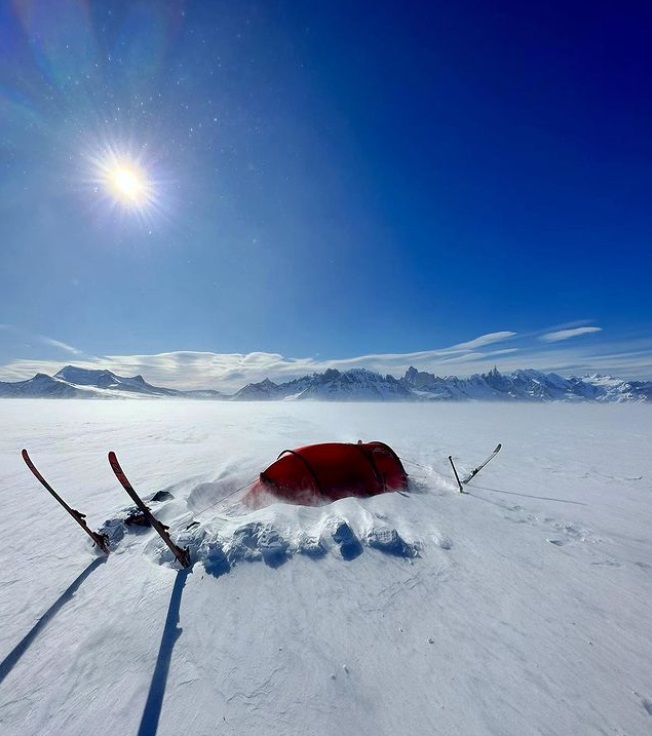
[[521, 607]]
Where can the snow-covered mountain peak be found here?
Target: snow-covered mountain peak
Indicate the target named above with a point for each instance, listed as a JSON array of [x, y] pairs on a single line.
[[358, 384], [84, 376]]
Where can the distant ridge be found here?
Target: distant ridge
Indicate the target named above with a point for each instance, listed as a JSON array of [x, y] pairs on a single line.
[[72, 382]]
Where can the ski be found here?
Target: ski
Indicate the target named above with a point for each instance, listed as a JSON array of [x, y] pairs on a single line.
[[101, 540], [182, 555], [475, 471]]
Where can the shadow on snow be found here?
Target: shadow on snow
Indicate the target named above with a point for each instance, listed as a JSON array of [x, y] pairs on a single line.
[[171, 633], [11, 660]]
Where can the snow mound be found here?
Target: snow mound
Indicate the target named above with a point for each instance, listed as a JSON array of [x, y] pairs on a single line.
[[273, 535], [225, 536], [525, 611]]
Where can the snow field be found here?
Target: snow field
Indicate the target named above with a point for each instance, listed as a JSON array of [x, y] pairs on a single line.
[[520, 608]]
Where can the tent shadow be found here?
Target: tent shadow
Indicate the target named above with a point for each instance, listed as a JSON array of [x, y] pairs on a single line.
[[11, 660], [171, 632]]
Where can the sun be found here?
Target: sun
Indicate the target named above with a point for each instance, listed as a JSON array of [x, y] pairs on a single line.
[[126, 181], [128, 184]]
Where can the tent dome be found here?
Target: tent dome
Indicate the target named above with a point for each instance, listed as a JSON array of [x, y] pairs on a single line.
[[318, 474]]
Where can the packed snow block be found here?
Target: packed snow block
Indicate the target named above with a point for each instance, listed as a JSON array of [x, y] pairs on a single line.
[[244, 543], [257, 541], [312, 547], [390, 542], [273, 547], [318, 474]]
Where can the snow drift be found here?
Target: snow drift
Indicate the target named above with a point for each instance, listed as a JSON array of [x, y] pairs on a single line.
[[520, 608]]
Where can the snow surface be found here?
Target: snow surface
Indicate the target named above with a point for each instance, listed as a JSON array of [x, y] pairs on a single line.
[[520, 608]]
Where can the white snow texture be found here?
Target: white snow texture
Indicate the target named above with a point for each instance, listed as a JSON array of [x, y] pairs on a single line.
[[520, 608]]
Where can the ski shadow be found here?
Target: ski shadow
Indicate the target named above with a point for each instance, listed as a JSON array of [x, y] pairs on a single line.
[[171, 632], [12, 659]]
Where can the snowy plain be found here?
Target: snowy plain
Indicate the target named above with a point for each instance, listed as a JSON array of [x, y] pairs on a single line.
[[522, 607]]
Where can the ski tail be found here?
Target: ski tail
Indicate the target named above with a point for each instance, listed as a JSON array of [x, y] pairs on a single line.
[[182, 554], [101, 540], [476, 470]]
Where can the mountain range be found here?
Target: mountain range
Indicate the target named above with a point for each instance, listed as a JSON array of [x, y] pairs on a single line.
[[72, 382], [353, 385]]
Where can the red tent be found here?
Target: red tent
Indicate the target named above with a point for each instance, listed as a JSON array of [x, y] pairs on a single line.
[[321, 473]]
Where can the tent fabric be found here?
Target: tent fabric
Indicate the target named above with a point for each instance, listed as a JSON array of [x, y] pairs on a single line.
[[327, 472]]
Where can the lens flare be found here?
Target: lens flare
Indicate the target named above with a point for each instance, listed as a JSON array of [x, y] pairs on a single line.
[[128, 184], [124, 178], [127, 180]]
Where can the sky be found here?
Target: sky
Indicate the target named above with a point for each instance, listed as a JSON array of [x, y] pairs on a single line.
[[191, 190]]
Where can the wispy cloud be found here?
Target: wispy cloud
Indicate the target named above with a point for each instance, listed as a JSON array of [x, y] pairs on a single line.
[[60, 345], [230, 371], [483, 340], [42, 339], [568, 334]]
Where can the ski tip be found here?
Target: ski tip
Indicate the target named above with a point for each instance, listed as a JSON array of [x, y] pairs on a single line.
[[113, 462], [24, 453], [498, 447]]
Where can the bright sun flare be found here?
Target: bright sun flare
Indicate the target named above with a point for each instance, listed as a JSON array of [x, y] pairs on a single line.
[[128, 184], [125, 179]]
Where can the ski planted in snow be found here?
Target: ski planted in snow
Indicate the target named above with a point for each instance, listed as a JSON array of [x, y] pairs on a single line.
[[101, 540], [182, 555], [475, 471], [457, 477]]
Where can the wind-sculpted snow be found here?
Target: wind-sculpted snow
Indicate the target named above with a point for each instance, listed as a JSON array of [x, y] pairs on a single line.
[[519, 607], [222, 538]]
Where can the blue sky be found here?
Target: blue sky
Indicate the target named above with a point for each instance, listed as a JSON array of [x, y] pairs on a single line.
[[368, 183]]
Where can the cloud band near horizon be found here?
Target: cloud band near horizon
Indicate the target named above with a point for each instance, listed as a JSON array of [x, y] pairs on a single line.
[[506, 350]]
